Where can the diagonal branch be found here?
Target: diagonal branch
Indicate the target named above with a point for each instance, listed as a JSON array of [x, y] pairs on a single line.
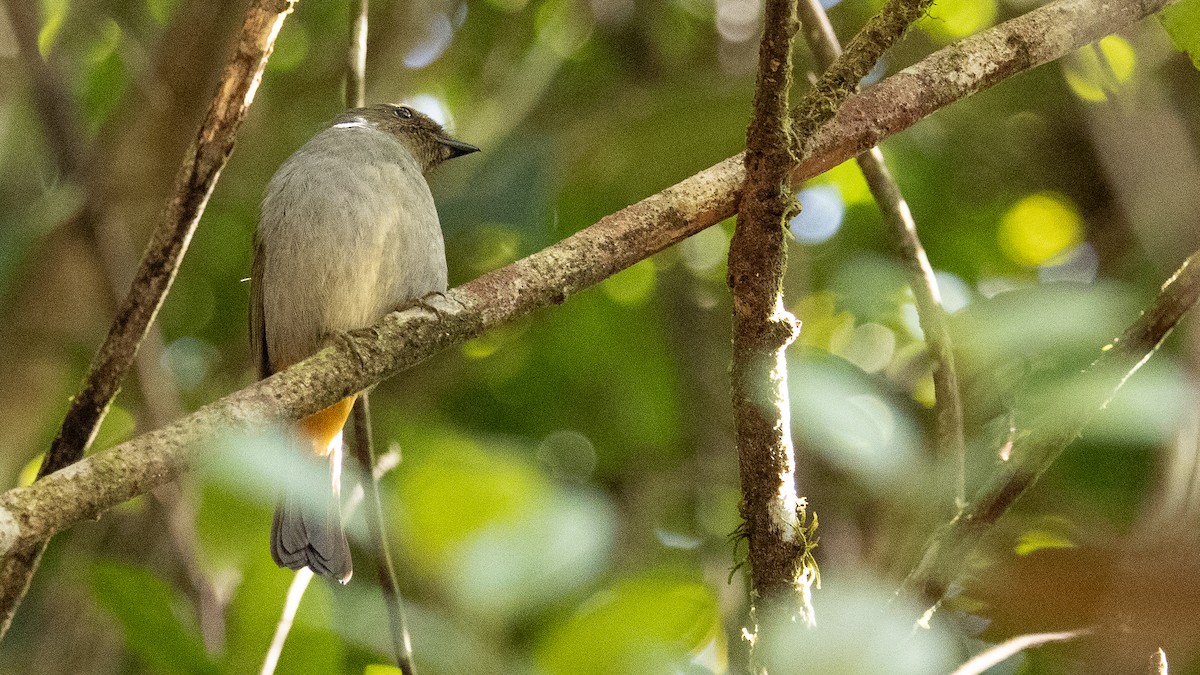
[[1035, 450], [773, 517], [823, 43], [194, 184], [31, 514]]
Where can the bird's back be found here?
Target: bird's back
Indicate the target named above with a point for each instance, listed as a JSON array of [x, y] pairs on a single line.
[[348, 232]]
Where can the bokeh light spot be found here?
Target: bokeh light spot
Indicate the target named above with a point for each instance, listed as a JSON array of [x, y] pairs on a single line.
[[821, 216], [1039, 228], [437, 38], [705, 250], [951, 20], [1095, 71]]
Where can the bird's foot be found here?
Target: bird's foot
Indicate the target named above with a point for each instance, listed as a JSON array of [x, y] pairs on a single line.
[[437, 303], [351, 341]]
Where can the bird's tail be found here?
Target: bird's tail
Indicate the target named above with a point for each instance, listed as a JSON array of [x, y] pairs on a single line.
[[307, 529]]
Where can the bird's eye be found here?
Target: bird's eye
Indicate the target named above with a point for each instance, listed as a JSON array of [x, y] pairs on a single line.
[[403, 112]]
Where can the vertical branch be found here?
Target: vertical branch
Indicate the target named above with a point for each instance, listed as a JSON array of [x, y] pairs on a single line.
[[823, 43], [365, 452], [115, 256], [772, 514], [356, 55], [780, 550], [197, 177], [364, 449]]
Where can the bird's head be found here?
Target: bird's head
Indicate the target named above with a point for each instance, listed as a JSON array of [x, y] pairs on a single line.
[[425, 138]]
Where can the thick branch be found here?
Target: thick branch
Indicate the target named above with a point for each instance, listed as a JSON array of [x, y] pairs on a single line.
[[763, 330], [197, 177], [97, 483], [823, 43], [1034, 451], [160, 262], [64, 133]]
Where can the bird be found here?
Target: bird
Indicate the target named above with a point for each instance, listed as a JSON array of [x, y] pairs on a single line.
[[348, 232]]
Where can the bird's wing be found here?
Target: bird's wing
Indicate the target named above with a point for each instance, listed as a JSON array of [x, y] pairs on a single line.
[[258, 326]]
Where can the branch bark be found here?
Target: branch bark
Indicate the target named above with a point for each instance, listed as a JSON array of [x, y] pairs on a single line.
[[194, 184], [773, 517], [30, 514], [1036, 450], [65, 135], [823, 42]]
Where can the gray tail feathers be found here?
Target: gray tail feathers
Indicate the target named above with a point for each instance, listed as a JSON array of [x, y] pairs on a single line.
[[307, 531]]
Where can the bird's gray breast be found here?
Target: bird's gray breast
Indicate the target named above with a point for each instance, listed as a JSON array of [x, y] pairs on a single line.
[[348, 232]]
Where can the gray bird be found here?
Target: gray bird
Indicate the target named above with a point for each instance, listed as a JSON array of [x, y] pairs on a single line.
[[348, 233]]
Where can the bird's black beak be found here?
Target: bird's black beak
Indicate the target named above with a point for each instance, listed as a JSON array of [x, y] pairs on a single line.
[[457, 147]]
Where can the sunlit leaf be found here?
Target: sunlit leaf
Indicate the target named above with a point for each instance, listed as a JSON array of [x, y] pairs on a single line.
[[508, 540], [54, 12], [161, 10], [1182, 21], [1094, 71], [640, 625]]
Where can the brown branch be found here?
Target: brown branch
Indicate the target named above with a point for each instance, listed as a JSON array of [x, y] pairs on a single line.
[[773, 517], [841, 78], [1035, 450], [30, 514], [365, 452], [115, 256], [194, 184], [823, 42]]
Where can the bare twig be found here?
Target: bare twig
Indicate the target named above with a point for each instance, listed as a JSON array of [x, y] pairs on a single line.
[[364, 449], [160, 262], [291, 605], [365, 452], [1035, 450], [29, 515], [773, 517], [823, 43], [356, 56], [997, 654]]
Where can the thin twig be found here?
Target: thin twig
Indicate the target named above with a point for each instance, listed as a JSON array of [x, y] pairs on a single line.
[[356, 56], [115, 256], [773, 516], [823, 42], [194, 184], [841, 78], [1035, 450], [291, 605], [365, 452], [364, 448], [29, 515], [997, 654]]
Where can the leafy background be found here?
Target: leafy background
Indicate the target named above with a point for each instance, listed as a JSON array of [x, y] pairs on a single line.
[[567, 495]]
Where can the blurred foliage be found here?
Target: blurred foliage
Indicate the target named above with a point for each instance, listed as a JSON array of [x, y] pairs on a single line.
[[567, 493]]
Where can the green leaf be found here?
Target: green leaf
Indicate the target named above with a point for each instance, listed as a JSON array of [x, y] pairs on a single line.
[[645, 624], [150, 614], [54, 11], [1182, 21]]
